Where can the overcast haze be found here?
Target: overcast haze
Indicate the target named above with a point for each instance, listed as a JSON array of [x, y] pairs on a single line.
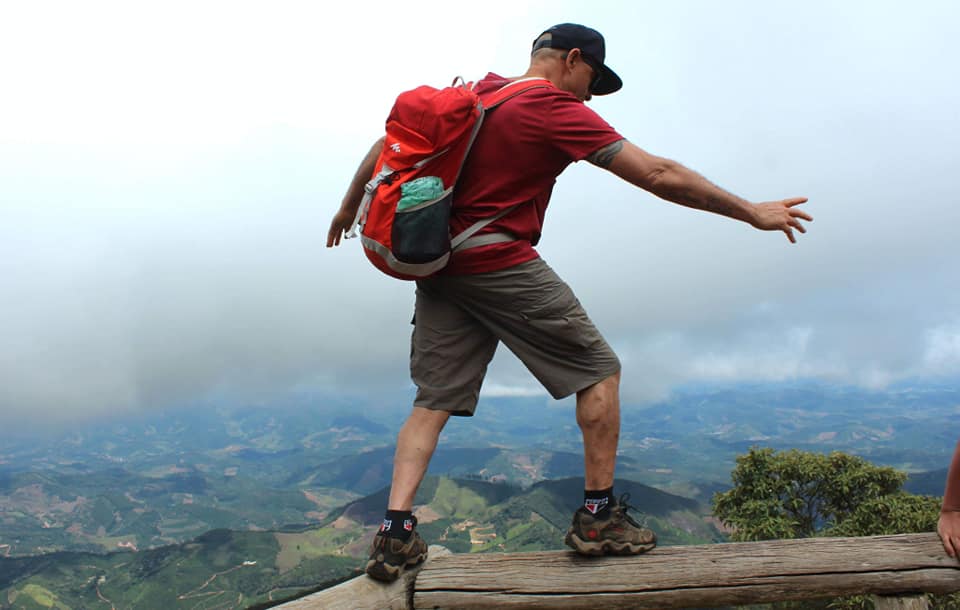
[[168, 172]]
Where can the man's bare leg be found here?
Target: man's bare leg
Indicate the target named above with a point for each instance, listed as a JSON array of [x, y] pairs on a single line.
[[397, 546], [598, 415], [415, 445], [602, 526]]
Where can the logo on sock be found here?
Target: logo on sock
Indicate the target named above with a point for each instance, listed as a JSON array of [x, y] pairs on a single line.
[[595, 505], [408, 525], [386, 525]]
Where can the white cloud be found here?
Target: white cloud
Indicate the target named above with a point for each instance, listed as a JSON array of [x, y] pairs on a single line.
[[497, 390], [776, 359], [943, 349]]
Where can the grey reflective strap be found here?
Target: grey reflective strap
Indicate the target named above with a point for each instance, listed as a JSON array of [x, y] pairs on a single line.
[[522, 80], [364, 203], [486, 239], [520, 90], [473, 136], [423, 162], [368, 190], [472, 229], [414, 269]]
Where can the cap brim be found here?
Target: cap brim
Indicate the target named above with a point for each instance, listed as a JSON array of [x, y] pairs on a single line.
[[609, 82]]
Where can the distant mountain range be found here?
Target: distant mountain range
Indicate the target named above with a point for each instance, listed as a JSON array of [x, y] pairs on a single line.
[[74, 507], [167, 477]]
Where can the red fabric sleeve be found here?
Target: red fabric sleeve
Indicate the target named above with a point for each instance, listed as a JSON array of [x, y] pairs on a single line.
[[576, 129]]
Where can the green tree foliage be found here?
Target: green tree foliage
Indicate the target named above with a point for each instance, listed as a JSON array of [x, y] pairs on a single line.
[[897, 513], [798, 494]]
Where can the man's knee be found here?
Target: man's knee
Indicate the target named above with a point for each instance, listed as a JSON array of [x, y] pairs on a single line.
[[607, 389], [427, 419], [599, 405], [612, 382], [600, 413]]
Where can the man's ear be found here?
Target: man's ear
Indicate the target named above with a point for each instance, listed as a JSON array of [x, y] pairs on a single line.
[[573, 56]]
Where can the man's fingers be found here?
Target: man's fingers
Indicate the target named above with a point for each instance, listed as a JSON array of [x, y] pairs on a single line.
[[794, 217], [947, 529], [333, 237]]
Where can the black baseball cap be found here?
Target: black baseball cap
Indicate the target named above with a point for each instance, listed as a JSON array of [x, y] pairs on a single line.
[[590, 42]]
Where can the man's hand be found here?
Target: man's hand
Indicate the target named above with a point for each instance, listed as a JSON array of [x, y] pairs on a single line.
[[781, 216], [340, 224], [344, 217], [949, 529]]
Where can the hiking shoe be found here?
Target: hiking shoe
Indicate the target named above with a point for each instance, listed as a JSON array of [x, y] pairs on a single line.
[[617, 534], [389, 556]]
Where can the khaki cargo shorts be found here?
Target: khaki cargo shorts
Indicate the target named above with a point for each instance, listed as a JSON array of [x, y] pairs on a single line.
[[460, 319]]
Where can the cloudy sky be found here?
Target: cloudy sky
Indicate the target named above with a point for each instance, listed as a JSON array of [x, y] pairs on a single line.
[[168, 172]]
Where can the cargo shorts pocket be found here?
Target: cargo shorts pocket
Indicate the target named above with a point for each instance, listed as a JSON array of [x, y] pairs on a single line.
[[562, 324]]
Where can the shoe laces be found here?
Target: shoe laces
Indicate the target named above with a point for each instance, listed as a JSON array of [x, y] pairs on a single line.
[[623, 505]]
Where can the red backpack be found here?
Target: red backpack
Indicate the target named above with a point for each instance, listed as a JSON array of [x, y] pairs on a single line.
[[404, 217]]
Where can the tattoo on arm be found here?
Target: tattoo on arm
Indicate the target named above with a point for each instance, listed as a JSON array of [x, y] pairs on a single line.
[[604, 157], [724, 203], [716, 205]]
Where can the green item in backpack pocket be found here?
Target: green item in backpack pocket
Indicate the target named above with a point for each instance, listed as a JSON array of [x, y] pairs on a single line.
[[419, 191]]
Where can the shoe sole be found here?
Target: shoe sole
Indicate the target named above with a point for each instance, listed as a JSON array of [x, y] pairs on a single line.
[[386, 572], [606, 547]]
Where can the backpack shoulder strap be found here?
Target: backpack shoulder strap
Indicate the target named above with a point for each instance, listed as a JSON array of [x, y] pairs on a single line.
[[513, 89], [490, 101]]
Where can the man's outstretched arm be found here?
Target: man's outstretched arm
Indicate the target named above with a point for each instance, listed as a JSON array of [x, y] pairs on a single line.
[[949, 524], [343, 219], [672, 181]]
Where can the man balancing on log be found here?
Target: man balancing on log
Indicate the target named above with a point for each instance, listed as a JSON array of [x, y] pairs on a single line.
[[500, 290]]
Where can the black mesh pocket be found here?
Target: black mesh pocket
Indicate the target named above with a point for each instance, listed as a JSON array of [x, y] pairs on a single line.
[[422, 234]]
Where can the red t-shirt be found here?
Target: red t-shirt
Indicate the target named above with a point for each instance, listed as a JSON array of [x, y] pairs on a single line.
[[522, 147]]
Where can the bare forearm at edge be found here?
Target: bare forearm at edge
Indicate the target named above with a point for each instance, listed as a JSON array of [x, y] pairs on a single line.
[[686, 187], [351, 201], [951, 493]]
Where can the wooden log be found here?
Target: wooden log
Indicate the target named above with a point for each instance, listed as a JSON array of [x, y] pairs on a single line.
[[907, 602], [691, 576]]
